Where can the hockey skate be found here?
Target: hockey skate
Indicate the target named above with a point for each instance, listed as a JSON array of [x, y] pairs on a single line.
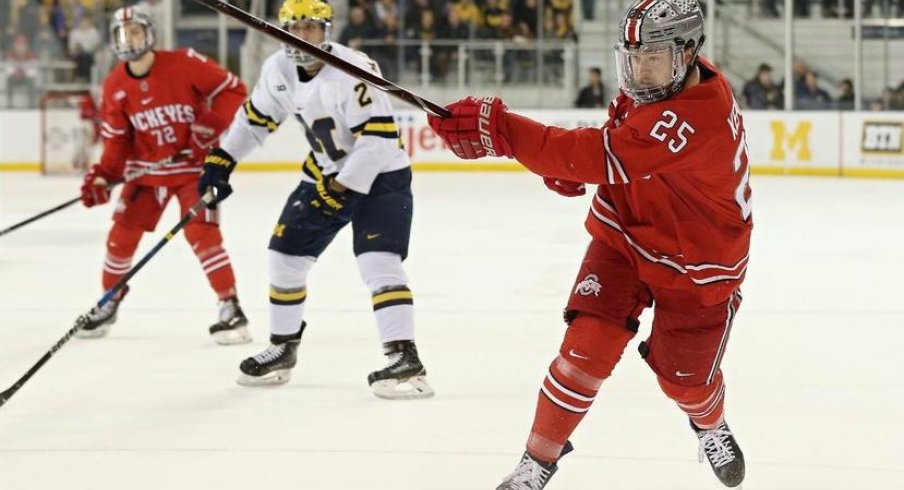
[[720, 448], [99, 320], [404, 377], [231, 329], [531, 474], [274, 365]]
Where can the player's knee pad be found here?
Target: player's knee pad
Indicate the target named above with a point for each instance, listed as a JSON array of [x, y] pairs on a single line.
[[381, 270], [289, 271], [123, 240], [594, 345]]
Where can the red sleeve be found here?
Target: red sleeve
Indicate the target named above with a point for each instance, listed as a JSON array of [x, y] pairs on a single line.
[[571, 154], [115, 129], [659, 138], [223, 91]]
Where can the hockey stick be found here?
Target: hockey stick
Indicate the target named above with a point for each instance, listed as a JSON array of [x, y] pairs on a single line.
[[327, 57], [128, 178], [82, 320]]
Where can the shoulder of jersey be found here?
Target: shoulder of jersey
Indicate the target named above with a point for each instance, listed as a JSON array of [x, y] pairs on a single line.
[[353, 56], [278, 65]]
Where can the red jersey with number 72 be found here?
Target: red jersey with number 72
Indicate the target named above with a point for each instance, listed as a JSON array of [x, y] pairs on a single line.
[[673, 175], [147, 119]]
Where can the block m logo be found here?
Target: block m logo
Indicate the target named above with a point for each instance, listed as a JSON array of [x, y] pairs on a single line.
[[798, 140]]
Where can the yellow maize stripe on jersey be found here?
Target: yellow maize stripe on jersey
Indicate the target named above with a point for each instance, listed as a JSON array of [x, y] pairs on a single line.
[[383, 126], [257, 119]]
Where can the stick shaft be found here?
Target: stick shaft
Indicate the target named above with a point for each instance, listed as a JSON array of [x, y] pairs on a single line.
[[327, 57]]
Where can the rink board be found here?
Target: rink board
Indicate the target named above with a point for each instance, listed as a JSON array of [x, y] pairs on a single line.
[[867, 144]]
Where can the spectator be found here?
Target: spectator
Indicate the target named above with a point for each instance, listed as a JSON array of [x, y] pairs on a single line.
[[358, 29], [384, 9], [22, 70], [83, 42], [427, 30], [846, 95], [469, 13], [25, 18], [761, 92], [414, 18], [563, 29], [593, 95], [455, 28], [387, 54], [492, 17], [526, 16], [812, 97]]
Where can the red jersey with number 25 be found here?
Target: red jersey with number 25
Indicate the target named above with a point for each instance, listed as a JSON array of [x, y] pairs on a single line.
[[673, 193], [147, 119]]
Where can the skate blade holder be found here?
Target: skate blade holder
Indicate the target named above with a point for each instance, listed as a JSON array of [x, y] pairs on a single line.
[[234, 336], [408, 389], [277, 377]]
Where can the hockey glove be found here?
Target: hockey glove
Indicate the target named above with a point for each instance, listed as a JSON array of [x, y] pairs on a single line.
[[332, 201], [475, 128], [218, 165], [95, 186], [565, 188], [205, 133]]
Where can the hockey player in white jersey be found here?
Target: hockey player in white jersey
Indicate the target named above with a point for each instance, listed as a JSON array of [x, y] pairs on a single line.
[[357, 172]]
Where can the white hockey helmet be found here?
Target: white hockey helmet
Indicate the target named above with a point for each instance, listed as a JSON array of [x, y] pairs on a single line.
[[649, 54], [122, 39]]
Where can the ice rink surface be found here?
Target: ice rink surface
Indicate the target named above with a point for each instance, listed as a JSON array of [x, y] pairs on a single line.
[[814, 367]]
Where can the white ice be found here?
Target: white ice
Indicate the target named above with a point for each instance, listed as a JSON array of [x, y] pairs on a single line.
[[814, 367]]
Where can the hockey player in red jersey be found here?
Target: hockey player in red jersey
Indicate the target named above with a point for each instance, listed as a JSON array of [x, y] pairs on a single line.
[[670, 226], [161, 112]]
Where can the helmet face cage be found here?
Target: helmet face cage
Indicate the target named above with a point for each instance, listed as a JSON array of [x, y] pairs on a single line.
[[654, 34], [301, 58], [120, 38], [294, 11]]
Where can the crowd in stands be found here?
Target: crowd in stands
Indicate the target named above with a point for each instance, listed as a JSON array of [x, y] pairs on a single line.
[[763, 92], [372, 22], [36, 33], [834, 8]]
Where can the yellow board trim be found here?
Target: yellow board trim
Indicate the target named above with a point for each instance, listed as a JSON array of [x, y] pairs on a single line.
[[20, 167], [288, 296], [391, 296]]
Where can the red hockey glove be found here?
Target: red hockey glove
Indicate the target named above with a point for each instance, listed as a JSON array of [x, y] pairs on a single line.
[[94, 190], [475, 128], [205, 133], [565, 188]]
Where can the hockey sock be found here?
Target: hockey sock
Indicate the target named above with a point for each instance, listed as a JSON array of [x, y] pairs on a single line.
[[207, 243], [591, 349], [121, 244], [288, 291], [704, 404], [392, 300]]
